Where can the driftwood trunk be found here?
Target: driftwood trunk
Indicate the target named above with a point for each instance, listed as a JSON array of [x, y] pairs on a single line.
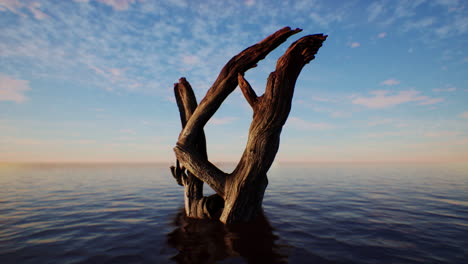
[[239, 195]]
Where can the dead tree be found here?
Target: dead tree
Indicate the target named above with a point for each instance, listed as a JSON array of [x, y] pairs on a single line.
[[239, 194]]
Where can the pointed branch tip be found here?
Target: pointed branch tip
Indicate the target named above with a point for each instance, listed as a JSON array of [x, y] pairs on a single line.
[[247, 90]]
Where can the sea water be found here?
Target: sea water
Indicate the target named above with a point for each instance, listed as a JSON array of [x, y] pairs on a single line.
[[313, 213]]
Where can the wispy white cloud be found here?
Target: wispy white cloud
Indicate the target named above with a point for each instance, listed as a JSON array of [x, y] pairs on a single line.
[[222, 120], [127, 131], [249, 2], [301, 124], [11, 5], [178, 3], [322, 99], [134, 47], [449, 89], [384, 99], [118, 5], [106, 48], [390, 82], [451, 19], [341, 114], [21, 7], [442, 134], [382, 35], [402, 10], [355, 44], [12, 89], [397, 123], [117, 73], [116, 76], [325, 19], [389, 134], [457, 25], [332, 111], [190, 59], [24, 141], [170, 98], [380, 122], [448, 3], [430, 101], [375, 10], [421, 24], [34, 9]]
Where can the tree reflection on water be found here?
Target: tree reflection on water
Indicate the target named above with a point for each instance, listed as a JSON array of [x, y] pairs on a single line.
[[209, 241]]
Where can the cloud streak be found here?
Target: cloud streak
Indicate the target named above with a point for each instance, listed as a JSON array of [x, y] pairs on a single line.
[[449, 89], [375, 10], [385, 99], [410, 16], [23, 8], [12, 89], [390, 82], [301, 124], [355, 44], [222, 120], [382, 35], [117, 5]]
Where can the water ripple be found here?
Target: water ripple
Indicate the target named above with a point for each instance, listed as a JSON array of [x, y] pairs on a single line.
[[322, 214]]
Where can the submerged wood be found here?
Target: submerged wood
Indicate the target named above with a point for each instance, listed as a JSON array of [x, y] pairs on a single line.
[[242, 190], [196, 205]]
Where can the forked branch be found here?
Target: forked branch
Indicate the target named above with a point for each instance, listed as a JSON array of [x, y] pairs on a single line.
[[247, 90], [290, 65], [243, 189], [227, 82], [202, 169]]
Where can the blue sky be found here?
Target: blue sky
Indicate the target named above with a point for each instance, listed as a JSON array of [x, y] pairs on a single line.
[[92, 80]]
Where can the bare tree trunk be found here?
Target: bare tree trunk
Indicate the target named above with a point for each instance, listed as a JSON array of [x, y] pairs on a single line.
[[196, 205], [243, 189]]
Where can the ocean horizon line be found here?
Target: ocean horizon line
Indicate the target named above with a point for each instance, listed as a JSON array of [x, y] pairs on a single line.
[[276, 163]]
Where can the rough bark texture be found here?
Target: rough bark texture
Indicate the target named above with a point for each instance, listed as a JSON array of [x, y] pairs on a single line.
[[196, 205], [243, 189]]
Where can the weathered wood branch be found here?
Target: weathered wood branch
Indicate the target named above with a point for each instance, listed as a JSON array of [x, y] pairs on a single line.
[[196, 205], [227, 82], [202, 169], [187, 103], [178, 173], [247, 90], [281, 82], [243, 189], [244, 201], [186, 100], [222, 87]]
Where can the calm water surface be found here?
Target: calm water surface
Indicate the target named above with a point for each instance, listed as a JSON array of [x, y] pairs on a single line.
[[119, 213]]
